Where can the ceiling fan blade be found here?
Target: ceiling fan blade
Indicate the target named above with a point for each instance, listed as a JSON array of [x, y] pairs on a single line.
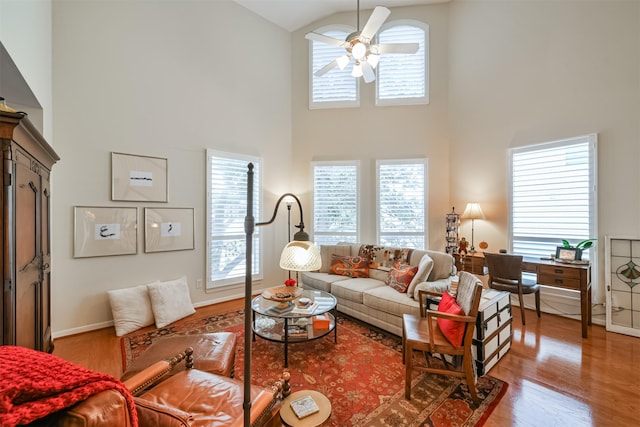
[[396, 47], [324, 70], [324, 39], [377, 18], [367, 72]]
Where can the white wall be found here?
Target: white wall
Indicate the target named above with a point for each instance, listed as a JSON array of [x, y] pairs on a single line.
[[368, 132], [166, 79], [530, 71], [25, 32]]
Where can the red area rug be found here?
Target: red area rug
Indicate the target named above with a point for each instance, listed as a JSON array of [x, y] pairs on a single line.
[[362, 374]]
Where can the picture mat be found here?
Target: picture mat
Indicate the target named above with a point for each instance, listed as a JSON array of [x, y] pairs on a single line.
[[138, 178], [168, 229], [103, 231]]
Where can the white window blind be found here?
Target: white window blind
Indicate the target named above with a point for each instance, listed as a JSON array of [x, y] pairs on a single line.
[[226, 212], [403, 78], [553, 195], [402, 202], [335, 202], [337, 88]]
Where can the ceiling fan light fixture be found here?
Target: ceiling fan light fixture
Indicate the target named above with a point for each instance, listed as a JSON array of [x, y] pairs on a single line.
[[359, 51], [357, 70], [373, 60], [343, 61]]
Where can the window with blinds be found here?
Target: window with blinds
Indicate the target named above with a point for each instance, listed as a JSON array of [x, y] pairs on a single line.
[[403, 78], [401, 200], [226, 212], [553, 195], [337, 88], [335, 202]]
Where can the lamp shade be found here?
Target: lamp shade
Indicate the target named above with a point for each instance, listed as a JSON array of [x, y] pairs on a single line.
[[300, 256], [472, 211]]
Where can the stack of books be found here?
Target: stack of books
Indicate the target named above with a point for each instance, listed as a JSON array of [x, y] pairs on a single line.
[[297, 331]]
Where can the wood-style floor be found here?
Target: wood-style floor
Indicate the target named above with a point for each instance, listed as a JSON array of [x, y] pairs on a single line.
[[555, 377]]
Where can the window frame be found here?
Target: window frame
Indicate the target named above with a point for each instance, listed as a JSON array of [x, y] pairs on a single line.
[[257, 240], [340, 163], [421, 100], [425, 232]]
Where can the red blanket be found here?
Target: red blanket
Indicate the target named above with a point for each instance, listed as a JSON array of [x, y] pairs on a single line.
[[34, 384]]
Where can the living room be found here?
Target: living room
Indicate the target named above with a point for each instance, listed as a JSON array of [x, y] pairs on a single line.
[[171, 79]]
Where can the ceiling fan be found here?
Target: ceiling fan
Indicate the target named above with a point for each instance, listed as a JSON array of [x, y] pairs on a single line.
[[359, 47]]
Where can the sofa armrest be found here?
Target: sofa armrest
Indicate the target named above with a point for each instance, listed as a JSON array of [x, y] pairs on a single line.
[[156, 372]]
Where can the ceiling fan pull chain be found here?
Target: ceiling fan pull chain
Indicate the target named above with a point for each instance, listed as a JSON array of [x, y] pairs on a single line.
[[358, 15]]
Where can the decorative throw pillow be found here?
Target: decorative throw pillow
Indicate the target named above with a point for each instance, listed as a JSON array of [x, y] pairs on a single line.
[[384, 258], [131, 308], [400, 277], [424, 269], [327, 250], [356, 266], [451, 329], [170, 301]]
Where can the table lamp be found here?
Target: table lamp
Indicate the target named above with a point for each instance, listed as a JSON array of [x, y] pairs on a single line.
[[472, 212]]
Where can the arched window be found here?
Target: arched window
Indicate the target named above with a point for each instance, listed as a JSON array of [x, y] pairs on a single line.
[[403, 78]]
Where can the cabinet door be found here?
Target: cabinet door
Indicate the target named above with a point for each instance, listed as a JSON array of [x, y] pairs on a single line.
[[45, 279], [27, 287]]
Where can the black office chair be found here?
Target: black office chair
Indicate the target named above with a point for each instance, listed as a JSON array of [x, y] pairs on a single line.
[[505, 274]]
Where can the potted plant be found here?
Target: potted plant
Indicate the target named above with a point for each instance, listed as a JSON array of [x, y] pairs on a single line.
[[570, 252]]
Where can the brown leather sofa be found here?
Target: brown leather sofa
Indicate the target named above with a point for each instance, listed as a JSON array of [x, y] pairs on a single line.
[[190, 397]]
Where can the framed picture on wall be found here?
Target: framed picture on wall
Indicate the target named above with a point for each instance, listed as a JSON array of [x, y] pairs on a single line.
[[138, 178], [103, 231], [168, 229]]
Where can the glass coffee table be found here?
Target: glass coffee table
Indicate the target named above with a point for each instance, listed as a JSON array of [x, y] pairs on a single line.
[[290, 322]]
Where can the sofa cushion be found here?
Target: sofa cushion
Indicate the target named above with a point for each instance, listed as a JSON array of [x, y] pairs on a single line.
[[384, 257], [438, 286], [424, 269], [326, 251], [443, 266], [356, 266], [451, 329], [400, 277], [385, 299], [352, 289], [320, 281], [131, 308]]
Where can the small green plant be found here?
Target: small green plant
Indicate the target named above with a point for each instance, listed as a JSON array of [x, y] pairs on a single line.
[[584, 245]]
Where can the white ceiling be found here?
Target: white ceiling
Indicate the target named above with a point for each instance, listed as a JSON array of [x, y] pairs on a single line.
[[295, 14]]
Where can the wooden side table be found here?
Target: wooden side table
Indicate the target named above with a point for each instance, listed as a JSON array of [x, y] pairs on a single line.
[[290, 418], [471, 262]]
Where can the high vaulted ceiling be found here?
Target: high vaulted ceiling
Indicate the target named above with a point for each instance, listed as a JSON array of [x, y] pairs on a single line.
[[295, 14]]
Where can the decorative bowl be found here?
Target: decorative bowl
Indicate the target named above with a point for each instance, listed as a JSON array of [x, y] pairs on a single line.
[[282, 293]]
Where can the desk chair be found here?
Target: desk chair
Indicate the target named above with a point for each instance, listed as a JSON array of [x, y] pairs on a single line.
[[423, 333], [505, 274]]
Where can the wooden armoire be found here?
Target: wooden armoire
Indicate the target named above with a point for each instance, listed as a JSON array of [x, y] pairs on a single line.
[[25, 314]]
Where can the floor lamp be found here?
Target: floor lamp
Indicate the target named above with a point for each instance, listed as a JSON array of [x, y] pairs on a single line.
[[300, 255], [472, 212]]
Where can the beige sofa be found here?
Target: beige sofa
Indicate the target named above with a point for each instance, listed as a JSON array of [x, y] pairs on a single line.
[[369, 298]]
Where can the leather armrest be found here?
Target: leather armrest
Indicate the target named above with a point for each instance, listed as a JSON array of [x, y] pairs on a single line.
[[154, 414], [147, 377]]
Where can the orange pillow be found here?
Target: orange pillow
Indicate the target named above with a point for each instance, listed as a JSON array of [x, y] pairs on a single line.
[[356, 266], [451, 329], [400, 277]]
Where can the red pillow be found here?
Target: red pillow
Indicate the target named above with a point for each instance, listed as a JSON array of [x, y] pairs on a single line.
[[400, 277], [349, 266], [451, 329]]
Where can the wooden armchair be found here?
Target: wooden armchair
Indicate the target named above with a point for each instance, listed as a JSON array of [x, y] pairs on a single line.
[[424, 333]]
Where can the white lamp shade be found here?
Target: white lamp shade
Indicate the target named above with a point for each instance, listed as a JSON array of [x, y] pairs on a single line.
[[300, 256], [472, 211]]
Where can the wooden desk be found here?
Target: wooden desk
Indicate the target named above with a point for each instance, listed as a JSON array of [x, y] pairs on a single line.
[[566, 276], [574, 277]]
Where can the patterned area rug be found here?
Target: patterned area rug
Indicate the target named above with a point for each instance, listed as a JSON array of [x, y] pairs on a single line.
[[362, 374]]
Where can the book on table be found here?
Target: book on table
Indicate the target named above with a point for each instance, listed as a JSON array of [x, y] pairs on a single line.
[[297, 331], [304, 407]]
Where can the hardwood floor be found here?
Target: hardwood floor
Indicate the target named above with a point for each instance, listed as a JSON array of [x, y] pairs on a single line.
[[556, 378]]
